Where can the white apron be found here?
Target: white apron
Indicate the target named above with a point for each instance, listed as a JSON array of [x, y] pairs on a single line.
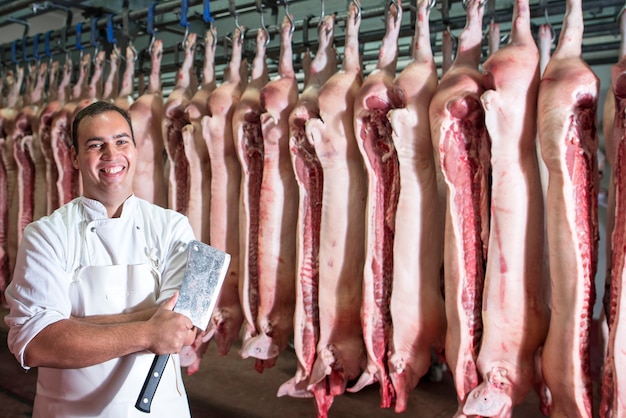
[[110, 389]]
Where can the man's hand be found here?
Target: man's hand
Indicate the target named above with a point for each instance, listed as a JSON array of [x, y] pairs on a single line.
[[170, 331]]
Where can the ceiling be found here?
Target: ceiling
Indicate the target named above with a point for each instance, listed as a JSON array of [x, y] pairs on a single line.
[[83, 25]]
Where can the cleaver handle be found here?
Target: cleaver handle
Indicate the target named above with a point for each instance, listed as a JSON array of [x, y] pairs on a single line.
[[152, 382]]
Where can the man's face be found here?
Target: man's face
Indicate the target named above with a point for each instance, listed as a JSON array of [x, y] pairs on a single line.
[[106, 158]]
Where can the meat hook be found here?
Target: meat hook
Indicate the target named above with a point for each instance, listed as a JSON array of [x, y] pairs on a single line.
[[395, 4], [259, 9], [235, 14], [289, 17], [319, 23], [208, 19], [544, 6], [184, 9], [93, 34], [150, 28], [357, 4], [79, 35], [481, 3]]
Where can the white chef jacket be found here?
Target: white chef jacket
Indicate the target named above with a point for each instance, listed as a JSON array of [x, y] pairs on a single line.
[[81, 234]]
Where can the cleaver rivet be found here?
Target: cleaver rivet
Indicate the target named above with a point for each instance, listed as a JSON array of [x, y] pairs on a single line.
[[145, 400], [156, 374]]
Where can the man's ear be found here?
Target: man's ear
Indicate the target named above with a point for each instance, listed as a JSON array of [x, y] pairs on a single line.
[[74, 157]]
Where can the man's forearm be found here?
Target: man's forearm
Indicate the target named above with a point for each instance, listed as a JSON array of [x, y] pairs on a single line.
[[142, 315], [69, 344]]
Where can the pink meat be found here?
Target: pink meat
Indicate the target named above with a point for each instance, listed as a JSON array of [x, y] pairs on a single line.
[[309, 176], [375, 142], [68, 183], [248, 140], [278, 209], [112, 83], [494, 37], [8, 116], [195, 146], [146, 114], [416, 305], [27, 153], [545, 50], [43, 131], [80, 89], [125, 97], [61, 142], [25, 181], [340, 353], [197, 156], [613, 399], [5, 274], [461, 146], [514, 327], [94, 89], [447, 50], [173, 122], [227, 318], [569, 142]]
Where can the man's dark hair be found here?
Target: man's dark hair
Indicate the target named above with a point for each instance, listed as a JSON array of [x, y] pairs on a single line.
[[96, 109]]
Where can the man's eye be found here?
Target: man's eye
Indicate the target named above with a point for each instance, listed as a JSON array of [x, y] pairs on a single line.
[[94, 146]]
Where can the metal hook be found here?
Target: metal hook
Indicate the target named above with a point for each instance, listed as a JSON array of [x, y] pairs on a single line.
[[235, 14], [259, 9], [393, 3], [79, 35], [552, 31], [480, 3], [213, 30], [184, 9], [110, 35], [358, 8], [132, 48], [620, 13], [322, 15], [184, 42], [150, 28], [206, 13], [36, 55], [94, 37], [289, 17], [432, 4]]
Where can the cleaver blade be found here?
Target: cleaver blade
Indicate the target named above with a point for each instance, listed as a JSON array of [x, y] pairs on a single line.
[[203, 278]]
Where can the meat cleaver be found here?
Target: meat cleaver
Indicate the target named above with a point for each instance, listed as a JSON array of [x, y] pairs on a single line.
[[202, 281]]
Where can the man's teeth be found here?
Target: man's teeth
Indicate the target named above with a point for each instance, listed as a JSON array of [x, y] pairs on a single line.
[[113, 170]]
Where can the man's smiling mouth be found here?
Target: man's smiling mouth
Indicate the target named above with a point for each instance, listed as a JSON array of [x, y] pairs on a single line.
[[113, 170]]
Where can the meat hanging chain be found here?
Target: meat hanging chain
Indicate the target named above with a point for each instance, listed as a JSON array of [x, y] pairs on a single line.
[[383, 222]]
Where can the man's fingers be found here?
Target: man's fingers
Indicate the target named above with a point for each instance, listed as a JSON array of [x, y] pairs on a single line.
[[171, 302]]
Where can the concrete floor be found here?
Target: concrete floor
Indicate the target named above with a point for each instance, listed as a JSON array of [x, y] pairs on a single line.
[[229, 387]]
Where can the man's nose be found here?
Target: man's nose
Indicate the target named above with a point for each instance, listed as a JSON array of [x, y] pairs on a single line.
[[109, 151]]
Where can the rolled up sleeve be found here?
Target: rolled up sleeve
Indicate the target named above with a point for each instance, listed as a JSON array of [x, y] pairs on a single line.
[[38, 293]]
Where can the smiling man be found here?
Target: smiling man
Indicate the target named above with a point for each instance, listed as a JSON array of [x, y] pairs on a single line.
[[95, 284]]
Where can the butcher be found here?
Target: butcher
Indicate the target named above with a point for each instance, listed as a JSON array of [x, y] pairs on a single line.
[[93, 339]]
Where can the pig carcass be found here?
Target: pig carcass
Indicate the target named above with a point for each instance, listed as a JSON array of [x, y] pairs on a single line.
[[462, 151], [515, 311], [146, 113], [172, 126], [309, 177], [278, 210], [374, 137], [416, 305]]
